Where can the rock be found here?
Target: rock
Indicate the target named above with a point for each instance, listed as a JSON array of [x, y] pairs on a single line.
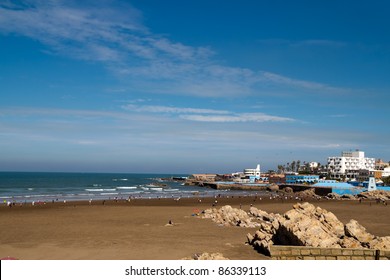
[[380, 243], [288, 190], [229, 216], [378, 194], [349, 242], [355, 230], [304, 225], [333, 196], [311, 226], [273, 187], [207, 256], [348, 196], [250, 238], [260, 214], [307, 225]]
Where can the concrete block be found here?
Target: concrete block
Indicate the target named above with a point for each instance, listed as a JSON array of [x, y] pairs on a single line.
[[296, 252], [305, 252], [326, 252], [315, 251], [346, 252], [336, 252], [358, 252], [343, 257], [369, 252], [275, 253], [385, 253]]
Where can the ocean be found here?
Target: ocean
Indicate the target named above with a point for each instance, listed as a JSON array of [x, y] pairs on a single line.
[[23, 187]]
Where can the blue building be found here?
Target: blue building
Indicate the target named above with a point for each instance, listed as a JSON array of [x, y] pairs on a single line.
[[340, 188], [302, 179]]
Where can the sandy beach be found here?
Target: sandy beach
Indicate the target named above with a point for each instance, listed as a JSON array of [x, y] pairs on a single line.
[[138, 229]]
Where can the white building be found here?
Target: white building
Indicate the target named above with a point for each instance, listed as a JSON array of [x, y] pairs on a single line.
[[348, 165], [253, 172], [249, 175]]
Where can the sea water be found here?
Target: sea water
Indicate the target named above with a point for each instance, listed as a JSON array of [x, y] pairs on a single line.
[[47, 187]]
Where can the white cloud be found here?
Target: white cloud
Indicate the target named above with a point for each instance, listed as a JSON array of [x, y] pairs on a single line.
[[207, 115], [245, 117], [282, 80], [173, 110], [113, 33]]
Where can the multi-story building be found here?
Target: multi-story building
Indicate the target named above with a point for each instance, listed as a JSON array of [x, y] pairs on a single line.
[[250, 175], [302, 179], [347, 166]]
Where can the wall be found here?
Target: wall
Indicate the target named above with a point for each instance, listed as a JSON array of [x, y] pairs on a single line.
[[312, 253]]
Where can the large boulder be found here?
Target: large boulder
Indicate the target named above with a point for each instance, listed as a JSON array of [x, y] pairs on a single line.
[[380, 243], [306, 225], [358, 232]]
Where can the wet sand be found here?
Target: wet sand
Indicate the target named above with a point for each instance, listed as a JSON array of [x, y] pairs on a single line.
[[138, 229]]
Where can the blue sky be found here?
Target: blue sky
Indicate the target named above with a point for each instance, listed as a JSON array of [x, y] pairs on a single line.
[[191, 86]]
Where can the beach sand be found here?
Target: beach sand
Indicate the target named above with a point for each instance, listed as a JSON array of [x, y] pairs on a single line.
[[138, 230]]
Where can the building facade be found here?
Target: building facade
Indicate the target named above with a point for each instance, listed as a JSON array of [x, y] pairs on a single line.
[[249, 175], [347, 166], [302, 179]]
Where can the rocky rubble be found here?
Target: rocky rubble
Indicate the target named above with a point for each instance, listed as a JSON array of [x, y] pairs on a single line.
[[207, 256], [307, 225], [378, 194], [229, 216], [304, 225]]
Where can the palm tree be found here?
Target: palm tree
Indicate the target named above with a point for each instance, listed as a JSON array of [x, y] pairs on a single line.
[[293, 166]]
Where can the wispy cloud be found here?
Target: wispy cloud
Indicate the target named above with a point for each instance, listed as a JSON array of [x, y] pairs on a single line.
[[319, 43], [174, 110], [113, 33], [245, 117], [279, 79], [303, 43], [207, 115]]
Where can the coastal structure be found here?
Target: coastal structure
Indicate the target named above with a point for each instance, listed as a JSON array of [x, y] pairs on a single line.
[[203, 177], [252, 174], [340, 188], [249, 175], [301, 179], [347, 166]]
